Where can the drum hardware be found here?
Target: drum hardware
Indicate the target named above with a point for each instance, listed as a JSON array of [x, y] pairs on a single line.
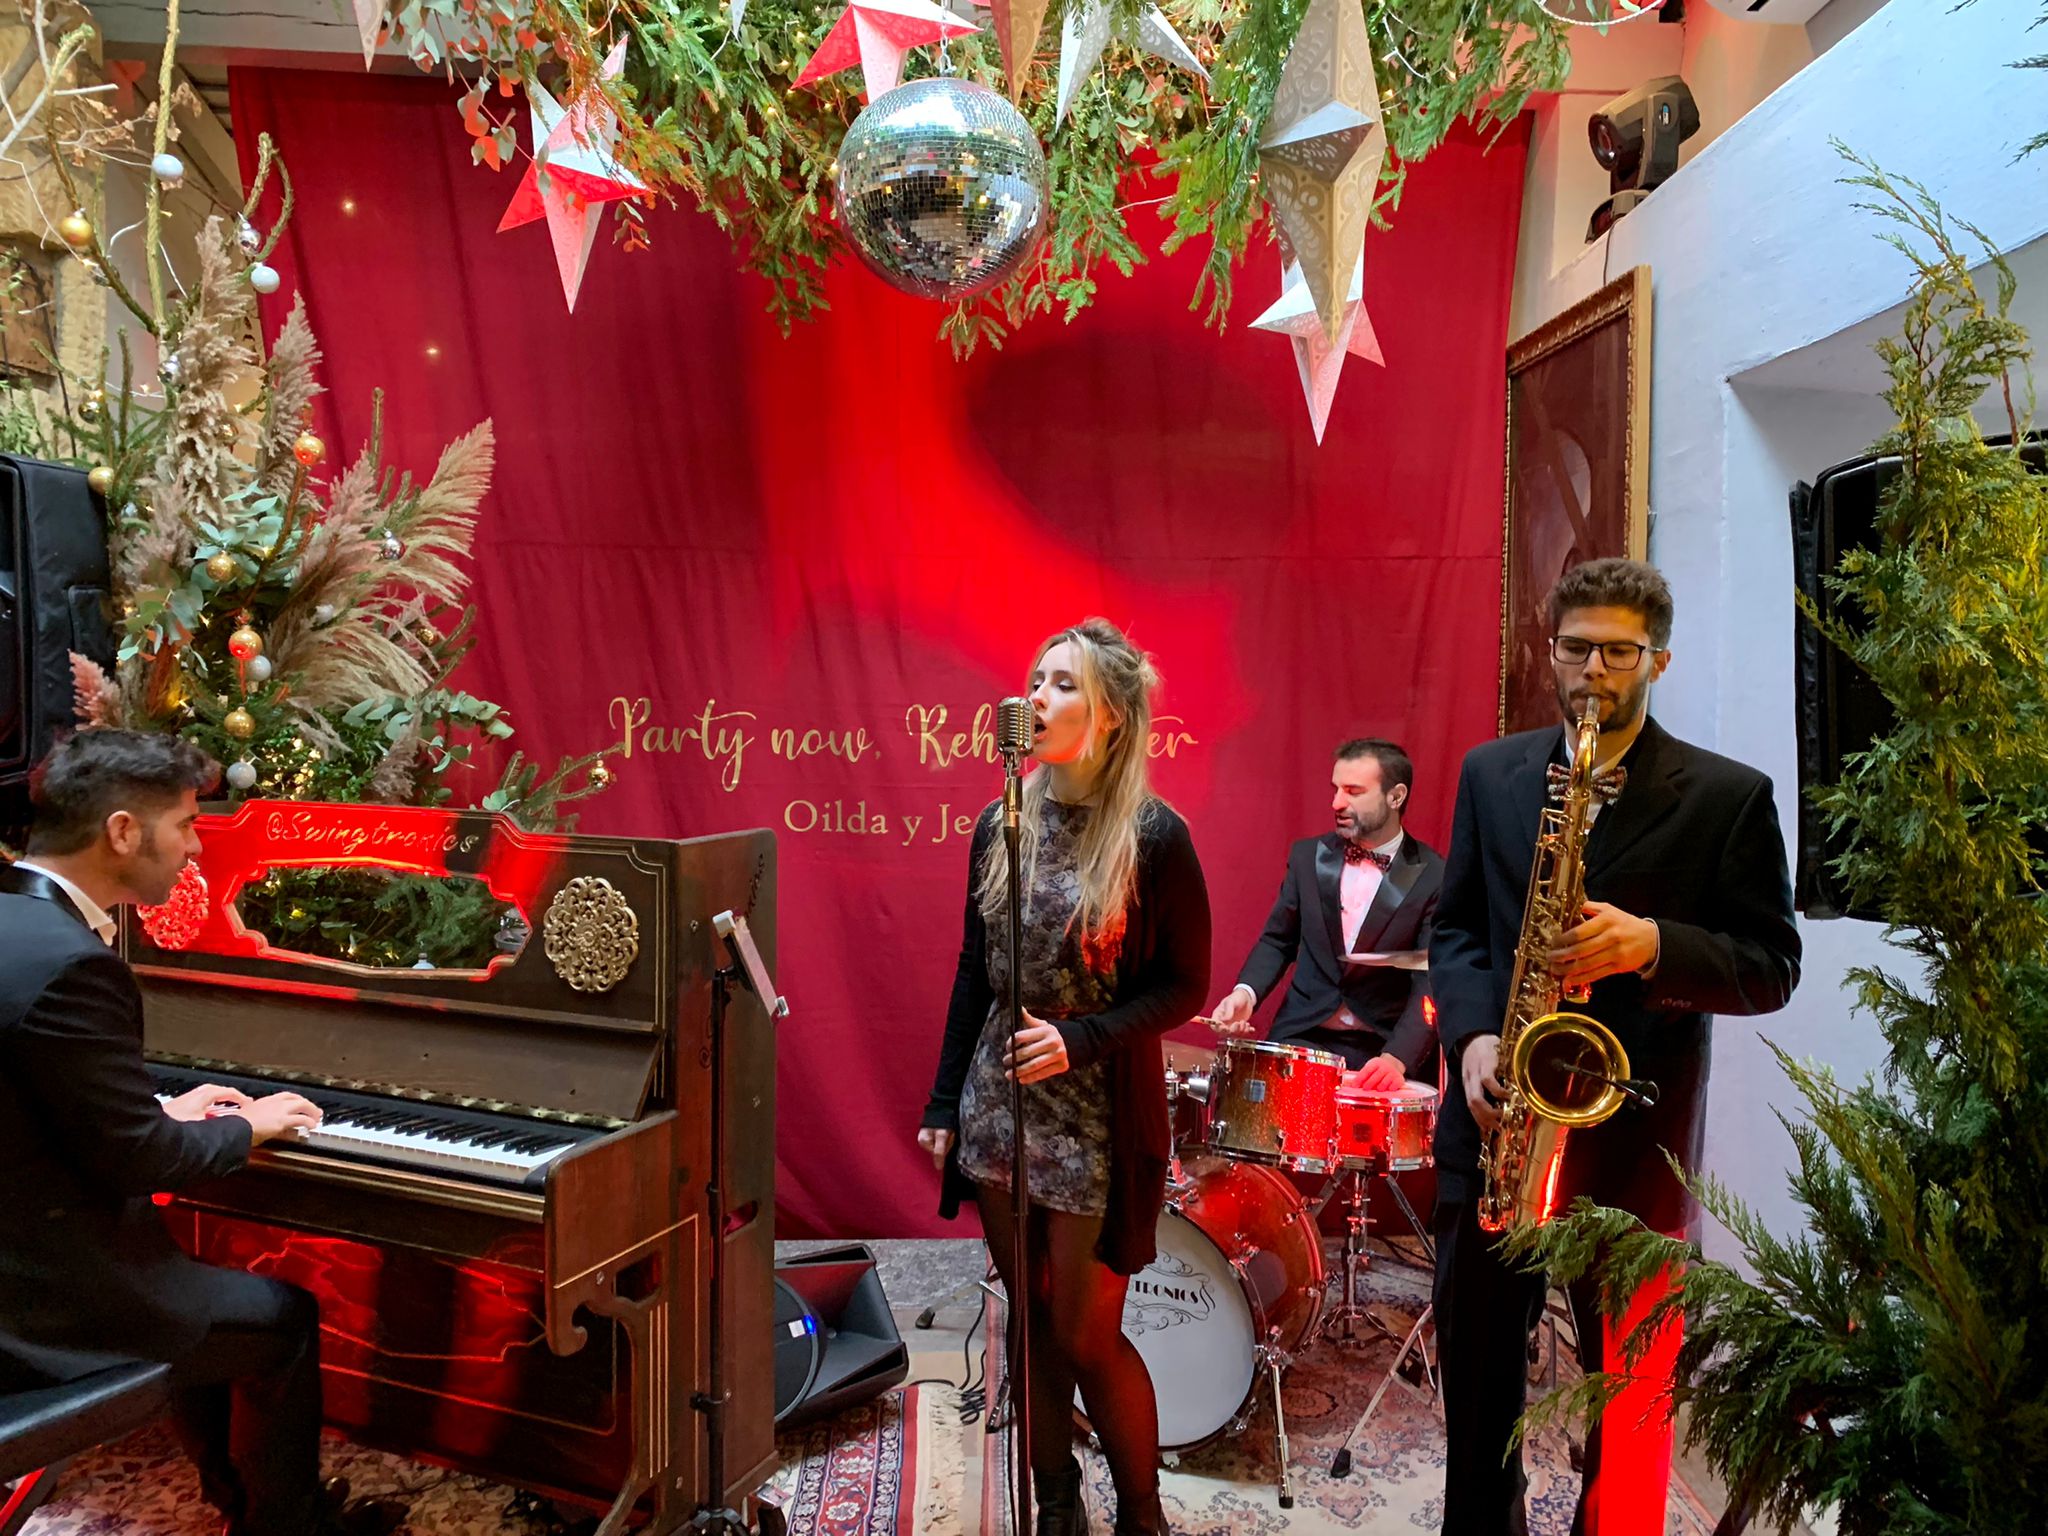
[[1276, 1363], [1412, 1344], [1381, 1134]]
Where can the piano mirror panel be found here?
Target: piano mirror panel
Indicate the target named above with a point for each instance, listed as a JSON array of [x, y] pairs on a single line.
[[380, 919]]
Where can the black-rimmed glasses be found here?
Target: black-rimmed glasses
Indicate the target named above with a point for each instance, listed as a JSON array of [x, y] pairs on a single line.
[[1619, 655]]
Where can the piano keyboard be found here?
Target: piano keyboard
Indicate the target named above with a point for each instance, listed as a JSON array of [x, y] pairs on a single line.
[[367, 1128]]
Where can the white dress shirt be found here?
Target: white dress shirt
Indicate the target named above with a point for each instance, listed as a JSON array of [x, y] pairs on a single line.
[[95, 915]]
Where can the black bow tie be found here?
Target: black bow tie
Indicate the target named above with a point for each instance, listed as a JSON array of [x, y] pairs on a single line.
[[1358, 853], [1608, 783]]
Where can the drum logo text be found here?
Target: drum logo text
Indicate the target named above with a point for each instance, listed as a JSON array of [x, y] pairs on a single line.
[[1168, 1293]]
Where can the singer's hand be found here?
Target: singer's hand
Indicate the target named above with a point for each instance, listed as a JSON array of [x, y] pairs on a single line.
[[936, 1142], [1038, 1052]]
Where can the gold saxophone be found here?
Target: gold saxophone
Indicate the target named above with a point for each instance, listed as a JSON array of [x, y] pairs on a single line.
[[1562, 1070]]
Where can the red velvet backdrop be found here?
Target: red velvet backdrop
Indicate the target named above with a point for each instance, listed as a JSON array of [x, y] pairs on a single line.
[[844, 536]]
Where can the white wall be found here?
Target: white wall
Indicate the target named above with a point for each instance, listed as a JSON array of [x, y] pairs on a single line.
[[1758, 257]]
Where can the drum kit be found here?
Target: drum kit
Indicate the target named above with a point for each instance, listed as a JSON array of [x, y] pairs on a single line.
[[1238, 1288]]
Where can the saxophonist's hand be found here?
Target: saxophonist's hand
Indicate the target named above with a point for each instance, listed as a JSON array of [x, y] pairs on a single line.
[[1483, 1089], [1608, 942]]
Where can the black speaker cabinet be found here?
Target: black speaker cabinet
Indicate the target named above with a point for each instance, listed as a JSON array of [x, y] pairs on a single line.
[[835, 1341], [53, 601], [1840, 710]]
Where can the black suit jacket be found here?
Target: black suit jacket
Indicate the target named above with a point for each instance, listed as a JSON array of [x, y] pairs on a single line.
[[88, 1275], [1693, 842], [1306, 931]]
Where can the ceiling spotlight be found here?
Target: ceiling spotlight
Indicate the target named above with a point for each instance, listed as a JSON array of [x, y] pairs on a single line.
[[1635, 138]]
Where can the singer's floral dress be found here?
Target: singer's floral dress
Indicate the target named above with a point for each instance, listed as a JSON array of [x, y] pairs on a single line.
[[1066, 1117]]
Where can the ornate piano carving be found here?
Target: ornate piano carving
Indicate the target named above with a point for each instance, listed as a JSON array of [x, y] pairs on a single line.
[[505, 1212]]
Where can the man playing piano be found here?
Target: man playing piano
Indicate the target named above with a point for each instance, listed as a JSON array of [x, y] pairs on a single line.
[[89, 1278]]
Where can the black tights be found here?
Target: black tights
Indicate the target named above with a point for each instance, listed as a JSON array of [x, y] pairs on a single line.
[[1077, 1338]]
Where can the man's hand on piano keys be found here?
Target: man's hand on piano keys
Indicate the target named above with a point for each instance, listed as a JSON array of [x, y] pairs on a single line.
[[206, 1100], [279, 1114]]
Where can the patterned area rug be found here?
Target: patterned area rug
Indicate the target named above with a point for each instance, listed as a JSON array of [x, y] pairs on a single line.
[[864, 1473], [1395, 1481]]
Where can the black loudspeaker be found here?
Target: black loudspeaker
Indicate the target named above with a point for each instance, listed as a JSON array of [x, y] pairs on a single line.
[[53, 601], [1841, 711], [836, 1343]]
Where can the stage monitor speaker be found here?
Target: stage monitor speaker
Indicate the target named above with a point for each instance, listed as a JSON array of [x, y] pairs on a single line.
[[836, 1343], [1840, 710], [53, 601]]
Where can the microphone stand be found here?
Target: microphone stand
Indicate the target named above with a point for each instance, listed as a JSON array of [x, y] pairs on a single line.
[[1020, 1182]]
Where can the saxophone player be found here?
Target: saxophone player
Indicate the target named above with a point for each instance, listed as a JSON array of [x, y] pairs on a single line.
[[1687, 913]]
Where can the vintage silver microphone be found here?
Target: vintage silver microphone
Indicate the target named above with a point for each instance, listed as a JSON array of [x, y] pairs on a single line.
[[1015, 719]]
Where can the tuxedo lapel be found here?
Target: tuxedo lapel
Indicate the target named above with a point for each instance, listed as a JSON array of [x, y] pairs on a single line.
[[33, 883], [1651, 793], [1528, 786], [1395, 884], [1329, 893]]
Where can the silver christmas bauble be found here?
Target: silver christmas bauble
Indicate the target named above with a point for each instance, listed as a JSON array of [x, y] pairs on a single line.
[[258, 668], [942, 188], [264, 279], [248, 237], [242, 774]]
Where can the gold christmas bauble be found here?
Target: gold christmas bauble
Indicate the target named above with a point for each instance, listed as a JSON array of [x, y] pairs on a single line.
[[245, 644], [222, 567], [240, 724], [92, 407], [600, 775], [76, 229], [101, 478], [308, 449]]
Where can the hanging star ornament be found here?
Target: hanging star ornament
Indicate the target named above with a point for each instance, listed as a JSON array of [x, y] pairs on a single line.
[[1017, 24], [1320, 359], [1086, 33], [572, 172], [1319, 163], [369, 24], [875, 34]]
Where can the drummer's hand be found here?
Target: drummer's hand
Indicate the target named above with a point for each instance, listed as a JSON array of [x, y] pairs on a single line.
[[1232, 1015], [1038, 1052], [1477, 1065], [1383, 1074], [936, 1142]]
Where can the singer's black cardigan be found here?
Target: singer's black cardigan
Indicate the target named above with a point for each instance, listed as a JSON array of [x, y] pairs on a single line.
[[1162, 982]]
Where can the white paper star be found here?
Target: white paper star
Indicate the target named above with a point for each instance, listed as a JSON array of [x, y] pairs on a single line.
[[1087, 33], [1320, 159], [1319, 359], [572, 173], [875, 34]]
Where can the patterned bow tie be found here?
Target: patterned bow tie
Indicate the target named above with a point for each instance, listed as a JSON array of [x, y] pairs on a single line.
[[1608, 783], [1358, 853]]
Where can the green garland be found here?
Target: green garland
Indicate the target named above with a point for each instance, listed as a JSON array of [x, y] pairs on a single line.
[[712, 114]]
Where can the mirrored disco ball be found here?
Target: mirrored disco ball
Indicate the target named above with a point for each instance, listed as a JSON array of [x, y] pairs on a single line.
[[942, 188]]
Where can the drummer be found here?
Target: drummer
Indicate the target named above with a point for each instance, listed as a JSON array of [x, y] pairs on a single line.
[[1352, 920]]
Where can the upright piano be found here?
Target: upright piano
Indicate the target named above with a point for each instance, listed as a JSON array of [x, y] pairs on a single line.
[[506, 1214]]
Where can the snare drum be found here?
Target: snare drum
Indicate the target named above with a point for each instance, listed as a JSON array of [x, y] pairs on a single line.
[[1386, 1131], [1277, 1104]]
